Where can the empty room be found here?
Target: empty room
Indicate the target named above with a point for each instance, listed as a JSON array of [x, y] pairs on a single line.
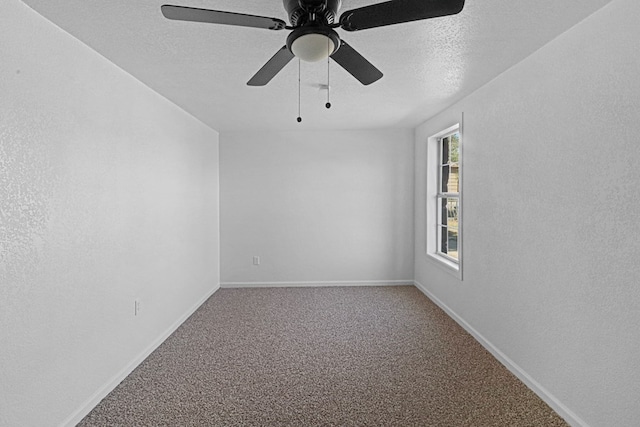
[[319, 213]]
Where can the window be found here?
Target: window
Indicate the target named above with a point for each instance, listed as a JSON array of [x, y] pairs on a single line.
[[444, 206], [448, 195]]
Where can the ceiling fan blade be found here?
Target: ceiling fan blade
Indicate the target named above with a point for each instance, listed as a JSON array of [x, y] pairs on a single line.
[[349, 59], [396, 12], [182, 13], [272, 67]]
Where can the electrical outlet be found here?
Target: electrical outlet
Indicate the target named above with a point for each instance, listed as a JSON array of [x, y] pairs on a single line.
[[256, 260], [137, 306]]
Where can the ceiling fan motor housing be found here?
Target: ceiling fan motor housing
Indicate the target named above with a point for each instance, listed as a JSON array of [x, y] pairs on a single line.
[[302, 12]]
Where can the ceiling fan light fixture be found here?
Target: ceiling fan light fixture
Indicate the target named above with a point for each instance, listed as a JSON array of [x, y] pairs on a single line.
[[313, 47], [313, 43]]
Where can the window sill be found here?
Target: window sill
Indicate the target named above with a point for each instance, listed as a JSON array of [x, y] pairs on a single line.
[[449, 266]]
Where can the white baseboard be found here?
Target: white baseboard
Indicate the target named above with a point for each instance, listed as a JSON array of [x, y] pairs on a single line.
[[568, 415], [316, 284], [103, 391]]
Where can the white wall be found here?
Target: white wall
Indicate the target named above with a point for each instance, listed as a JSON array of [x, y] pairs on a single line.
[[108, 192], [316, 206], [552, 216]]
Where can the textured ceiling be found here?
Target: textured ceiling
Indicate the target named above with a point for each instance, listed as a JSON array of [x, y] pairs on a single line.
[[204, 68]]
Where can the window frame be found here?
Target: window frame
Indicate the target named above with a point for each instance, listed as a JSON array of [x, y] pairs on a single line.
[[435, 196]]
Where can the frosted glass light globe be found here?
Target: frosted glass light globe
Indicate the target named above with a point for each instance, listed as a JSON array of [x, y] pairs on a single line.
[[312, 47]]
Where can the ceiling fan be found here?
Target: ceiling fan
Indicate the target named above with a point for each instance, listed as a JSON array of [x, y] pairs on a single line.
[[313, 37]]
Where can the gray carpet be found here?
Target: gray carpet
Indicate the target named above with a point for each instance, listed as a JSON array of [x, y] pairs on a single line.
[[362, 356]]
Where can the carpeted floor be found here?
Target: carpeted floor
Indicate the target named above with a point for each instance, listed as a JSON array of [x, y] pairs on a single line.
[[361, 356]]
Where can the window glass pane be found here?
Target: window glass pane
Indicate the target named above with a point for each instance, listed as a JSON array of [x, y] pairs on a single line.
[[443, 239], [454, 148], [445, 178], [452, 213], [442, 211], [451, 184], [445, 150], [452, 243]]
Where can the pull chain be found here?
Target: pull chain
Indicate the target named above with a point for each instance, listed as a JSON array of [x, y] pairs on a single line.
[[328, 104], [299, 116]]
